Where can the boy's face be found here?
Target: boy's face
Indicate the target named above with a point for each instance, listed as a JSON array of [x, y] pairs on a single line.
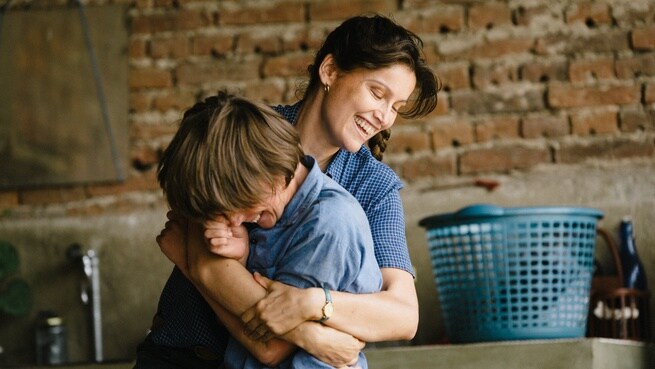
[[265, 214]]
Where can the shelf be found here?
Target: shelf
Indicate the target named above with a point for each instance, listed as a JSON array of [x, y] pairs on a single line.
[[596, 353]]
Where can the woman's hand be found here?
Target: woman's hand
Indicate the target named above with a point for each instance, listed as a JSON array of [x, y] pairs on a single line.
[[283, 309], [172, 241], [225, 240], [327, 344]]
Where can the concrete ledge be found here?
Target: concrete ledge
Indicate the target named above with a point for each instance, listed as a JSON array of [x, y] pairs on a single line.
[[597, 353], [594, 353]]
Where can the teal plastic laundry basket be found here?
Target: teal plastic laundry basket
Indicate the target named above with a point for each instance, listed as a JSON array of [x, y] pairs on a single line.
[[513, 273]]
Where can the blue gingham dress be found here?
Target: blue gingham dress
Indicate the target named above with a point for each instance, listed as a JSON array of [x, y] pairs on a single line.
[[189, 321]]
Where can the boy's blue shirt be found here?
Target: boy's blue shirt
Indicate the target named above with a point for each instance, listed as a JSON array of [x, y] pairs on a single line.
[[322, 237]]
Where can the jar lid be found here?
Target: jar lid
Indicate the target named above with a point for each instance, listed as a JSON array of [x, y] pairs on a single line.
[[54, 321]]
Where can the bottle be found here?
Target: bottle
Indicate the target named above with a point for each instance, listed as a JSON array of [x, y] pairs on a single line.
[[51, 343], [634, 275]]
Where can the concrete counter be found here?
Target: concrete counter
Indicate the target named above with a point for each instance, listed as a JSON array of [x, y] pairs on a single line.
[[597, 353]]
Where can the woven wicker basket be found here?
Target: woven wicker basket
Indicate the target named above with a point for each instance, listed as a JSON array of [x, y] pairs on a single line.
[[615, 311]]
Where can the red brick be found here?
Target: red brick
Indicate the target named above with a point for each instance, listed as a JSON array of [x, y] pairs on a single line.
[[441, 109], [443, 19], [214, 44], [150, 78], [526, 16], [146, 181], [650, 110], [501, 101], [545, 71], [498, 74], [144, 157], [636, 66], [269, 90], [451, 133], [143, 4], [567, 96], [8, 198], [535, 126], [142, 131], [170, 3], [137, 49], [594, 122], [287, 65], [418, 4], [635, 119], [649, 93], [218, 70], [627, 16], [432, 54], [443, 106], [453, 76], [499, 48], [609, 148], [296, 39], [605, 41], [170, 47], [259, 40], [259, 12], [342, 9], [408, 141], [51, 195], [174, 21], [589, 13], [164, 3], [591, 70], [317, 32], [502, 159], [643, 38], [139, 102], [490, 49], [488, 16], [173, 101], [494, 128], [438, 165]]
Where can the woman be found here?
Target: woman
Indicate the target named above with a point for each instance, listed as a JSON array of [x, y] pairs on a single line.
[[368, 71]]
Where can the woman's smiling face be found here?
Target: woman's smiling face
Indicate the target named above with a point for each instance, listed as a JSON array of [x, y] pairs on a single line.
[[361, 103]]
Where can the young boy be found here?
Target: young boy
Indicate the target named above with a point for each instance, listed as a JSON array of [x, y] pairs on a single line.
[[234, 162]]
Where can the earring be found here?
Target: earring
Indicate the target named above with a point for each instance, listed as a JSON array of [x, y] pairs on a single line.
[[326, 88]]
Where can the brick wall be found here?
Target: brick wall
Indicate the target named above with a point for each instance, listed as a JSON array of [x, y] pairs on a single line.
[[525, 83]]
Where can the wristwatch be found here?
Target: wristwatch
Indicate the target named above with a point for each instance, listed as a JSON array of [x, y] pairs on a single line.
[[328, 309]]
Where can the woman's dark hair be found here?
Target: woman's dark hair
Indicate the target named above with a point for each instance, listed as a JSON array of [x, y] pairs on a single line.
[[374, 42]]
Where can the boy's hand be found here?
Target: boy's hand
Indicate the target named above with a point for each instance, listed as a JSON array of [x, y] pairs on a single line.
[[172, 241], [225, 240]]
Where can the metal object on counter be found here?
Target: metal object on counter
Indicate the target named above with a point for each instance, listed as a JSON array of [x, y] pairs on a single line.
[[51, 339], [90, 292]]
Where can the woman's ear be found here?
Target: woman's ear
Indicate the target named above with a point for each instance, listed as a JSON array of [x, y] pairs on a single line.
[[328, 70]]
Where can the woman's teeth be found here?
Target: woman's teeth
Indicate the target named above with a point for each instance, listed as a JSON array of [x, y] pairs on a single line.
[[363, 125], [257, 218]]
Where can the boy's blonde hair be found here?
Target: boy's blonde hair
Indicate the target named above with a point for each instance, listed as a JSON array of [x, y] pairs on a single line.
[[228, 154]]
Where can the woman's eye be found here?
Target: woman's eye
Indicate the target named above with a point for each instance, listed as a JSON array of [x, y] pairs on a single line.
[[377, 94]]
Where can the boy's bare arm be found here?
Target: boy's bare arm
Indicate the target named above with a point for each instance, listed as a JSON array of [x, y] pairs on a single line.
[[238, 288]]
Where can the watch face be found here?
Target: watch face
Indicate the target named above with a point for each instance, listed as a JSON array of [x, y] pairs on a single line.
[[328, 309]]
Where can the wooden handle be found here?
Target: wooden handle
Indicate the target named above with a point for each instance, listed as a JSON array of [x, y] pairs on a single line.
[[614, 250]]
